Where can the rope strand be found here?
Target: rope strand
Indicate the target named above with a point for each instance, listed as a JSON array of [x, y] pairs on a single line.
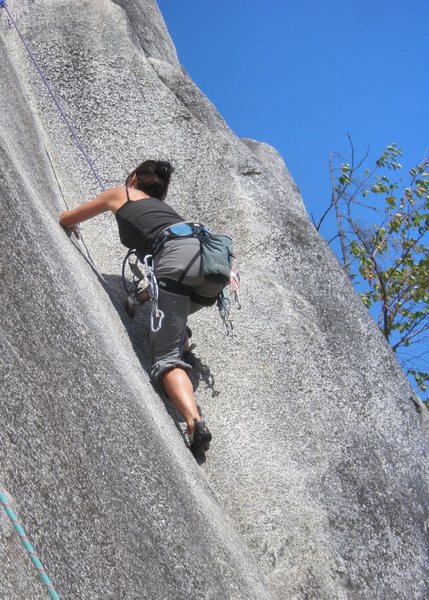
[[29, 547], [53, 96]]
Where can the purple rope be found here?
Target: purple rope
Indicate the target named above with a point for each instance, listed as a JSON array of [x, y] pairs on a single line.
[[54, 98]]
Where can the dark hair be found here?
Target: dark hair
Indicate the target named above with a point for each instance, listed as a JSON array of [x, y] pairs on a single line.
[[153, 177]]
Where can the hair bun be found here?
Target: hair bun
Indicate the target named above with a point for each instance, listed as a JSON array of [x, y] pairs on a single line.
[[163, 168]]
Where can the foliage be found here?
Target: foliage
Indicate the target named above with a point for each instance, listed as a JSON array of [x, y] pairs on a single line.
[[391, 254]]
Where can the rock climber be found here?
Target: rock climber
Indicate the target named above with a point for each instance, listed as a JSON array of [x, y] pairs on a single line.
[[144, 220]]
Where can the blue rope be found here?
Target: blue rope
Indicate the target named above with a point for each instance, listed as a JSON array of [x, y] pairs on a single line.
[[28, 546], [54, 97]]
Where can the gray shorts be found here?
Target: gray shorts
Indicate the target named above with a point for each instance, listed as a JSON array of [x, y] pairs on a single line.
[[175, 258]]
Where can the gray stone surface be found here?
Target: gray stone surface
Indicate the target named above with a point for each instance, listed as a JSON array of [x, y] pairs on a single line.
[[316, 485], [147, 24]]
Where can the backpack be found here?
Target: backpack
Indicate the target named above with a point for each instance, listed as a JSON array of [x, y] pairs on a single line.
[[216, 258], [216, 250]]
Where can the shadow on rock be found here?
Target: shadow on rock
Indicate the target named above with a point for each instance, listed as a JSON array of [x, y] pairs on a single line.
[[200, 372]]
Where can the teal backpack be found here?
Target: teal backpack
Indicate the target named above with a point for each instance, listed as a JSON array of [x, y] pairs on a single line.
[[217, 252]]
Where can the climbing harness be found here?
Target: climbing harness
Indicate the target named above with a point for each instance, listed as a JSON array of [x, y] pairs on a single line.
[[27, 544], [143, 278], [179, 230]]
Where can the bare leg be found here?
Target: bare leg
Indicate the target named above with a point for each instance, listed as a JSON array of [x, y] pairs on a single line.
[[178, 388], [143, 296]]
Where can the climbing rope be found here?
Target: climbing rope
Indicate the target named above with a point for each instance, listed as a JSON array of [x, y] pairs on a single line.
[[69, 125], [76, 230], [28, 546], [53, 96]]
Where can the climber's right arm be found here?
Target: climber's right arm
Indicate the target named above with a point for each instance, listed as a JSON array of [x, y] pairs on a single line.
[[107, 200]]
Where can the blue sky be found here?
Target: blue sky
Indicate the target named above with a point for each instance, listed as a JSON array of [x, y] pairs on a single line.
[[300, 74]]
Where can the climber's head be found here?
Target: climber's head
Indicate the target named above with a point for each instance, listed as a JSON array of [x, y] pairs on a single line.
[[151, 177]]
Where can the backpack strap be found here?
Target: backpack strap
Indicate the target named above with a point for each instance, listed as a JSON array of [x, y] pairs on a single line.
[[188, 266], [175, 287]]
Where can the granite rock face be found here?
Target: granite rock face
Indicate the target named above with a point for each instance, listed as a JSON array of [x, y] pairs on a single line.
[[316, 485]]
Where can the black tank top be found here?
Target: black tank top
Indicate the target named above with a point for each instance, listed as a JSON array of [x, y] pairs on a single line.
[[140, 221]]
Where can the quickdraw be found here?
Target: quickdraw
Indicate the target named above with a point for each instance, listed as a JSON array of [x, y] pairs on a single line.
[[234, 286], [224, 301], [143, 279], [156, 314]]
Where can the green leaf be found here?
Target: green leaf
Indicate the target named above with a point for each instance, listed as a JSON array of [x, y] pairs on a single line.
[[387, 244]]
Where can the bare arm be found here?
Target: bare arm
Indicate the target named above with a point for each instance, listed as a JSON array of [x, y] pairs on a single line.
[[107, 200]]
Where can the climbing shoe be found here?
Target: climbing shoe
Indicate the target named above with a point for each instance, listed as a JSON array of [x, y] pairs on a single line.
[[201, 437]]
